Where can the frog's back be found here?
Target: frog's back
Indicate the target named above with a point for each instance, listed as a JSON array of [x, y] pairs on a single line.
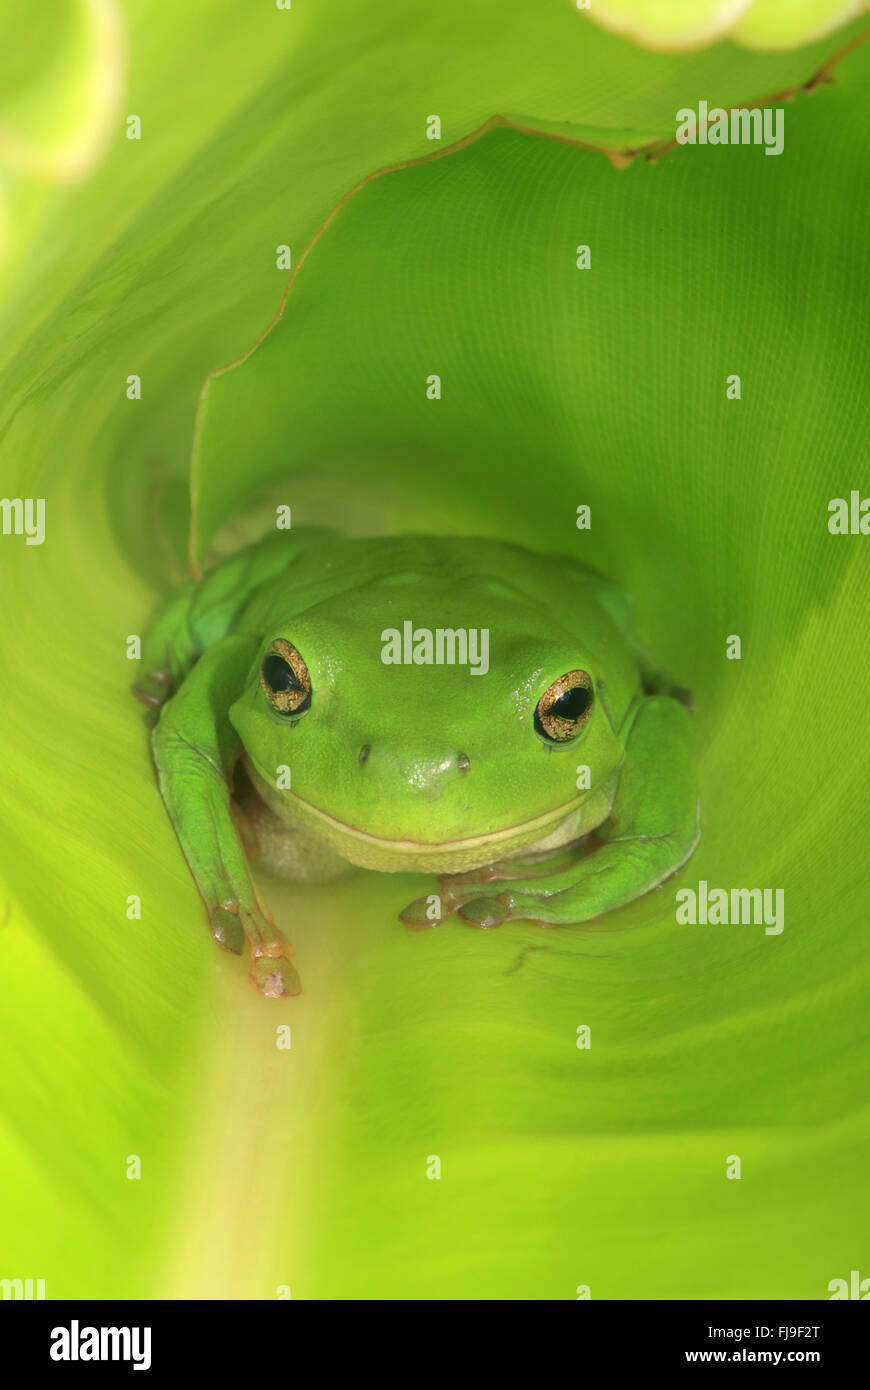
[[322, 563]]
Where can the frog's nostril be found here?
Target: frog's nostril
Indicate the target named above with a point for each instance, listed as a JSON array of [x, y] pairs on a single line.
[[463, 762], [364, 754]]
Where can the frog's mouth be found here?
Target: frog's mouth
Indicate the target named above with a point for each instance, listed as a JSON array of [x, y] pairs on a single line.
[[549, 831]]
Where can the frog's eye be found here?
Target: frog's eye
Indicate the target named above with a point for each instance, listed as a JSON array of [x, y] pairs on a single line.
[[285, 679], [564, 709]]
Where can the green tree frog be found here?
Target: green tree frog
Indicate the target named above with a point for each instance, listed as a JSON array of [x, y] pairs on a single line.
[[446, 705]]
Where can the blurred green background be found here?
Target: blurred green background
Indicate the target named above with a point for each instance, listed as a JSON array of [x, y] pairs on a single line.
[[264, 1167]]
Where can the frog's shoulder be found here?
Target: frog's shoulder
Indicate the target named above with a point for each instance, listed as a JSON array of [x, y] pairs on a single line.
[[205, 609]]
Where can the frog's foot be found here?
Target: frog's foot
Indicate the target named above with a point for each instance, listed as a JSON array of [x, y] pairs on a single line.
[[454, 890], [465, 893], [460, 893], [479, 911], [271, 969]]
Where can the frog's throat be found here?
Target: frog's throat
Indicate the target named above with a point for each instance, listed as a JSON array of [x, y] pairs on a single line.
[[548, 831]]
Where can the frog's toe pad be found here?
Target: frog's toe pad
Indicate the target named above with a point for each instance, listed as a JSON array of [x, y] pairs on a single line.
[[417, 915], [275, 977], [227, 930], [153, 689], [485, 913]]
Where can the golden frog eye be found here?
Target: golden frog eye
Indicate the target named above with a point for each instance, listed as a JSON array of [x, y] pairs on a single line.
[[284, 678], [564, 708]]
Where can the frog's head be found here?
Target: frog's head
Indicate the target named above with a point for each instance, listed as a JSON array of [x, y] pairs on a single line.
[[434, 726]]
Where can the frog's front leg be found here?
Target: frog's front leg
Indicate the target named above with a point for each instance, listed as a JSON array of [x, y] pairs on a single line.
[[651, 831], [195, 750]]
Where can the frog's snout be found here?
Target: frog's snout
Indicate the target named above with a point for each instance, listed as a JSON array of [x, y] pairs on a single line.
[[424, 774]]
